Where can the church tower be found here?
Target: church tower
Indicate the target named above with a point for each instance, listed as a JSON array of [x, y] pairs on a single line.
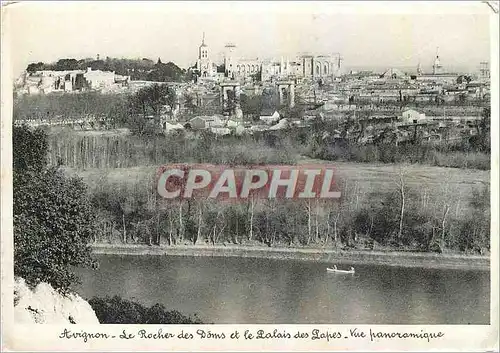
[[437, 68], [204, 65], [229, 60]]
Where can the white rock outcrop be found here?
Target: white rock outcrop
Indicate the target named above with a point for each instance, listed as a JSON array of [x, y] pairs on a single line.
[[44, 305]]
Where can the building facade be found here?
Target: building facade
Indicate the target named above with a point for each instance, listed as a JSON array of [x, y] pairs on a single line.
[[302, 66], [47, 81]]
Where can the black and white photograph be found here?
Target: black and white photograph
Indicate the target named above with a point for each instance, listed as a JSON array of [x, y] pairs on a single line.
[[268, 175]]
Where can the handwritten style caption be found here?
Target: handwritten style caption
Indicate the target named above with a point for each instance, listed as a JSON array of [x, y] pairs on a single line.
[[317, 334]]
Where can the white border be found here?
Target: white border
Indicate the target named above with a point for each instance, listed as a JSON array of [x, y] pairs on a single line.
[[457, 337]]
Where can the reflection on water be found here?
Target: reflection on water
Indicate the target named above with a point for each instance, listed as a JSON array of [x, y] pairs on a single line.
[[250, 291]]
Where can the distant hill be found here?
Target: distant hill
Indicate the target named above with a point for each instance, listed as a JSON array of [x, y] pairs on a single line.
[[137, 69]]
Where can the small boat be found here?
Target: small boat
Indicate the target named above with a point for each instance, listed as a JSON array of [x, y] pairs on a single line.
[[336, 270]]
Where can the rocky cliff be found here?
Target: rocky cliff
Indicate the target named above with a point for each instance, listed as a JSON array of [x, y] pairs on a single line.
[[44, 305]]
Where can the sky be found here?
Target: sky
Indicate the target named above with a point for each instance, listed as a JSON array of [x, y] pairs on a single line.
[[385, 34]]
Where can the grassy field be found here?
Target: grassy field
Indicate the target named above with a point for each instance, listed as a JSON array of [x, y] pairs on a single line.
[[383, 177]]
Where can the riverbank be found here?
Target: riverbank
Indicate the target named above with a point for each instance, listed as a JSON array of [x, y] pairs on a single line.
[[402, 259]]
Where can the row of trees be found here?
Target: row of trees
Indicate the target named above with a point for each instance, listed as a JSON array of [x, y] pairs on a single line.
[[399, 219], [113, 110]]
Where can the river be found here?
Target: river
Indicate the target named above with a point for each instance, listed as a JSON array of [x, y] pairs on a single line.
[[228, 290]]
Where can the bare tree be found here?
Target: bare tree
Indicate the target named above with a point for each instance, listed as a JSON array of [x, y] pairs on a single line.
[[181, 223], [200, 217], [252, 206], [443, 223], [316, 221], [309, 221], [401, 185]]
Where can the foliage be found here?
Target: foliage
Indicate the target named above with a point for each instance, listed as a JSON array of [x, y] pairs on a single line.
[[189, 102], [138, 69], [251, 105], [460, 155], [149, 101], [53, 220], [30, 149], [112, 108], [116, 310], [166, 73], [128, 151], [358, 220], [270, 99]]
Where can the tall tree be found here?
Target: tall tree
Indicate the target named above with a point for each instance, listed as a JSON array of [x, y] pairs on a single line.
[[52, 215], [149, 101]]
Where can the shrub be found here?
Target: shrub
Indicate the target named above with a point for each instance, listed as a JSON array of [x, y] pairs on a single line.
[[52, 216], [116, 310]]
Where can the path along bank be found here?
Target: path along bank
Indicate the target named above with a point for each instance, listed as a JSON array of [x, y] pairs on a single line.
[[328, 256]]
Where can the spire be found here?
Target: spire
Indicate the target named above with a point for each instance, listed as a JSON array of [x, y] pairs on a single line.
[[203, 41]]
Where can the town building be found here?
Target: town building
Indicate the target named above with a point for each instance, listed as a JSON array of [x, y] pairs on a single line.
[[438, 75], [47, 81], [204, 65], [484, 70], [237, 67], [412, 116], [205, 122]]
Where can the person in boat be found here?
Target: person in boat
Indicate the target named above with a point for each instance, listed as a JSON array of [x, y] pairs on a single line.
[[352, 269], [334, 267]]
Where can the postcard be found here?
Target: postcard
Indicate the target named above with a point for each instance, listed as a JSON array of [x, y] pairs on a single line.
[[249, 176]]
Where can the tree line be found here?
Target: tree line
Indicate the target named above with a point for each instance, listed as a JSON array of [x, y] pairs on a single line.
[[138, 69], [400, 219]]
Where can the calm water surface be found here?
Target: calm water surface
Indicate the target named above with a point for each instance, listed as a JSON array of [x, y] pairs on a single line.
[[228, 290]]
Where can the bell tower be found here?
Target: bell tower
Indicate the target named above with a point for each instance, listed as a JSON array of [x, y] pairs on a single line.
[[204, 64]]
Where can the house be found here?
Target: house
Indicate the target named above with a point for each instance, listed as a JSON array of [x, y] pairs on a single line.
[[412, 116], [282, 124], [167, 127], [232, 124], [258, 128], [269, 116], [205, 122], [393, 73], [220, 131]]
